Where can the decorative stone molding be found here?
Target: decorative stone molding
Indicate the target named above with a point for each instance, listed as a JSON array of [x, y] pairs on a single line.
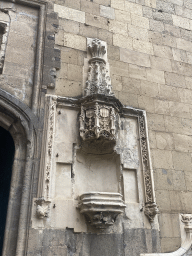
[[47, 147], [98, 119], [98, 81], [151, 208], [187, 243], [101, 208], [42, 209]]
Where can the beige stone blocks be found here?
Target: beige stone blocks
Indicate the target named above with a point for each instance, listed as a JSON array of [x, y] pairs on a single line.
[[142, 46], [96, 21], [133, 8], [162, 159], [182, 22], [134, 57], [164, 141], [69, 13], [75, 41], [150, 3], [138, 33], [182, 161], [163, 51], [107, 12], [118, 4], [122, 41], [155, 76], [90, 7], [160, 63], [117, 27], [122, 16], [184, 44], [139, 21], [156, 123], [66, 87], [137, 72]]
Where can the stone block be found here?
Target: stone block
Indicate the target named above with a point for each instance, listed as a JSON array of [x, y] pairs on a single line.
[[116, 82], [107, 12], [22, 28], [118, 4], [138, 33], [181, 22], [170, 225], [128, 99], [185, 95], [186, 34], [150, 3], [137, 72], [189, 57], [169, 245], [87, 31], [156, 123], [149, 89], [160, 63], [90, 7], [182, 142], [59, 38], [155, 25], [113, 52], [133, 57], [169, 40], [96, 21], [155, 37], [188, 4], [75, 41], [133, 8], [172, 30], [184, 12], [103, 2], [106, 36], [165, 6], [182, 68], [164, 141], [118, 27], [122, 41], [142, 46], [177, 2], [182, 161], [162, 159], [69, 13], [71, 4], [75, 73], [155, 76], [68, 88], [147, 103], [163, 17], [122, 16], [139, 21], [188, 180], [130, 85], [176, 201], [163, 200], [186, 198], [188, 82], [162, 107], [69, 26], [162, 51], [179, 109], [63, 72], [184, 44], [178, 179], [147, 12], [174, 79], [168, 93], [163, 180]]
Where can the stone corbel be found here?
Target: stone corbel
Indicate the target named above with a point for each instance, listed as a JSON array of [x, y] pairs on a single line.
[[186, 244], [42, 208]]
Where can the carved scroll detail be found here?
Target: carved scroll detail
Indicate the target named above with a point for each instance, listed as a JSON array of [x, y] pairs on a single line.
[[151, 208]]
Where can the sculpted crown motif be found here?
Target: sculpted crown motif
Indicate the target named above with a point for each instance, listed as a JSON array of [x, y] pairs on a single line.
[[98, 81]]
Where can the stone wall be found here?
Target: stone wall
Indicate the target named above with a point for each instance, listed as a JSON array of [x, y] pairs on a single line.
[[150, 57]]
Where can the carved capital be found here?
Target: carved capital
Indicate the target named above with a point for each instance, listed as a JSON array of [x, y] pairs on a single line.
[[42, 209], [151, 210]]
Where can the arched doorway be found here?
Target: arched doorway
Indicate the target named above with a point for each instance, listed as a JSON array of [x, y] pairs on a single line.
[[7, 150]]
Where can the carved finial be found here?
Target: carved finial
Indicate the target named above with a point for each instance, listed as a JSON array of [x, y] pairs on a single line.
[[97, 49]]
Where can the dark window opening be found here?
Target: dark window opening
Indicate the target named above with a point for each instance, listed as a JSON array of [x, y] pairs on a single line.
[[2, 32], [2, 44], [7, 150]]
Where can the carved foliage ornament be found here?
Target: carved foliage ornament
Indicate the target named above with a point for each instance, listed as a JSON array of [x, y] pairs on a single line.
[[98, 81], [97, 120], [151, 208]]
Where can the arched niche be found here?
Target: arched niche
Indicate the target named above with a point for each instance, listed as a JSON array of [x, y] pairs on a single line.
[[19, 121]]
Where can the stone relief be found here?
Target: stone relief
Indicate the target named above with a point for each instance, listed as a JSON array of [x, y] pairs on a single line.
[[98, 81], [42, 209], [151, 208], [101, 209]]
